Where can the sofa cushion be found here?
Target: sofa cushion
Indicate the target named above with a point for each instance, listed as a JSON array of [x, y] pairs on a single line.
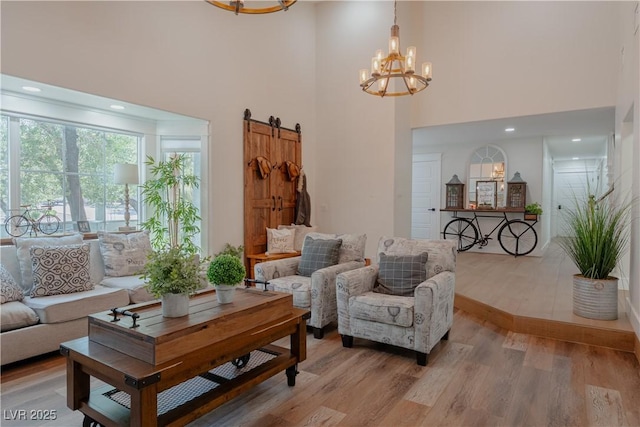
[[62, 308], [401, 274], [301, 232], [133, 284], [280, 241], [9, 289], [15, 315], [389, 309], [60, 269], [124, 254], [352, 248], [317, 254], [23, 248], [298, 286]]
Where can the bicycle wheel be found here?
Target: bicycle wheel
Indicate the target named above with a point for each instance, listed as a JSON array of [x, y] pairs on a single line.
[[17, 225], [464, 231], [517, 237], [49, 224]]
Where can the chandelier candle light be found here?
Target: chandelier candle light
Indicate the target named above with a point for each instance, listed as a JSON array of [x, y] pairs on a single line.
[[238, 6], [395, 66], [126, 173]]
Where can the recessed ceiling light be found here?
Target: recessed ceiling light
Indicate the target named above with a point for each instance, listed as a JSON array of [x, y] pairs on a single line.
[[576, 140], [510, 129], [31, 88], [575, 158], [117, 107]]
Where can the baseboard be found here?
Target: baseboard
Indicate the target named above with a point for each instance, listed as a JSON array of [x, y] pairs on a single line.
[[582, 334], [634, 318]]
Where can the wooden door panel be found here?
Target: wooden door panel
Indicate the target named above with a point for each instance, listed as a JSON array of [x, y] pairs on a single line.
[[269, 201]]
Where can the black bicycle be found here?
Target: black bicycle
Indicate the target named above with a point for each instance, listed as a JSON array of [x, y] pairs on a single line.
[[516, 237]]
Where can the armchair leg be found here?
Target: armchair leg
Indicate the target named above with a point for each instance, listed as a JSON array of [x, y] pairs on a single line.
[[347, 341], [446, 336], [318, 333], [422, 358]]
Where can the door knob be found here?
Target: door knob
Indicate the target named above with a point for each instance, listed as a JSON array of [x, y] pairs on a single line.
[[432, 209]]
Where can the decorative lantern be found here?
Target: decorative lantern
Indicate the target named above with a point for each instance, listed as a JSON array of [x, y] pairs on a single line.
[[516, 192], [455, 194]]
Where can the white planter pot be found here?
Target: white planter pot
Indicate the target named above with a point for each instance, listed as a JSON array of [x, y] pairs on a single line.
[[225, 293], [595, 298], [175, 305]]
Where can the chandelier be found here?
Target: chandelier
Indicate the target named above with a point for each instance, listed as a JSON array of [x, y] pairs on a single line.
[[395, 66], [237, 6]]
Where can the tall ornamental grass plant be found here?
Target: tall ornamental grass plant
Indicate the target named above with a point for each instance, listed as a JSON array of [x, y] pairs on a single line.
[[599, 235]]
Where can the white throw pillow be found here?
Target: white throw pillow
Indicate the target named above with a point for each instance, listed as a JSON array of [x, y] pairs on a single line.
[[124, 254], [300, 232], [280, 241], [23, 247]]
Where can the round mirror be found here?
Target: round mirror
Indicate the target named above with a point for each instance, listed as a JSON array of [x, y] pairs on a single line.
[[487, 166]]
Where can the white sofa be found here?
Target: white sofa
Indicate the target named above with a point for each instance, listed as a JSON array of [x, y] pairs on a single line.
[[60, 318]]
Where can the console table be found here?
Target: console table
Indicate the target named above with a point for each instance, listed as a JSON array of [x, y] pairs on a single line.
[[200, 361]]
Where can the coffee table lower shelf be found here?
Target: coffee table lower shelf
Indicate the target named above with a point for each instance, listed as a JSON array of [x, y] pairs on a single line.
[[177, 405]]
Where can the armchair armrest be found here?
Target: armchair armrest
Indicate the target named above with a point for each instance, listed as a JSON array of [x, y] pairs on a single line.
[[323, 292], [352, 283], [268, 270], [433, 310]]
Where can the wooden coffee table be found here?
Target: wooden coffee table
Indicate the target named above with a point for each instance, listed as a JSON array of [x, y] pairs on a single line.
[[170, 371]]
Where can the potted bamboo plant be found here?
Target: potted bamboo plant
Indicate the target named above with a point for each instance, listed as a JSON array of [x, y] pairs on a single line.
[[174, 269], [598, 237]]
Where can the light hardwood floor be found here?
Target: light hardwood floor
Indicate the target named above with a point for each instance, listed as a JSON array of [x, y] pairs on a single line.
[[484, 375]]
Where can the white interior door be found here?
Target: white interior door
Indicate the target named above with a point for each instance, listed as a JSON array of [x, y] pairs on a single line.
[[425, 196], [570, 186]]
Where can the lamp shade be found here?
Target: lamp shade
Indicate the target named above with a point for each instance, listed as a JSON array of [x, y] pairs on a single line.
[[125, 173]]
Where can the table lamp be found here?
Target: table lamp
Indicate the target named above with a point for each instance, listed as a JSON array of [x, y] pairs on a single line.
[[126, 173]]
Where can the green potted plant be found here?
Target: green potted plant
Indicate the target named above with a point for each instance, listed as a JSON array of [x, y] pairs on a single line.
[[174, 269], [532, 210], [225, 272], [598, 235]]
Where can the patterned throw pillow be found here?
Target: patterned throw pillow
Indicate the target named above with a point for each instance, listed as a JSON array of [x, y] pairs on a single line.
[[401, 274], [280, 241], [9, 288], [124, 254], [60, 269], [301, 232], [23, 248], [352, 248], [317, 254]]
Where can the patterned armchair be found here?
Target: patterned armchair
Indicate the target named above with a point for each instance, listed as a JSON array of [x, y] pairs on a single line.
[[417, 322], [315, 289]]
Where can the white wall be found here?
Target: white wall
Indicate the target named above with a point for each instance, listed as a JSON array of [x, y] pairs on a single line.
[[512, 58], [184, 56], [355, 151], [627, 134]]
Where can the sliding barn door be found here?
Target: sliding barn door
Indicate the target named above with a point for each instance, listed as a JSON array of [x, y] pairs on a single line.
[[269, 199]]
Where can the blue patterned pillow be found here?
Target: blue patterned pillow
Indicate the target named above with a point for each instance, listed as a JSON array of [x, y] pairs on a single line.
[[401, 274], [60, 269], [317, 254]]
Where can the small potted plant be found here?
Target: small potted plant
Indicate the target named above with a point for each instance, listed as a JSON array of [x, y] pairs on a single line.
[[225, 272], [531, 211], [173, 276]]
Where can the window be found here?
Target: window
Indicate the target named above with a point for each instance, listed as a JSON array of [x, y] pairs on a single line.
[[67, 166]]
